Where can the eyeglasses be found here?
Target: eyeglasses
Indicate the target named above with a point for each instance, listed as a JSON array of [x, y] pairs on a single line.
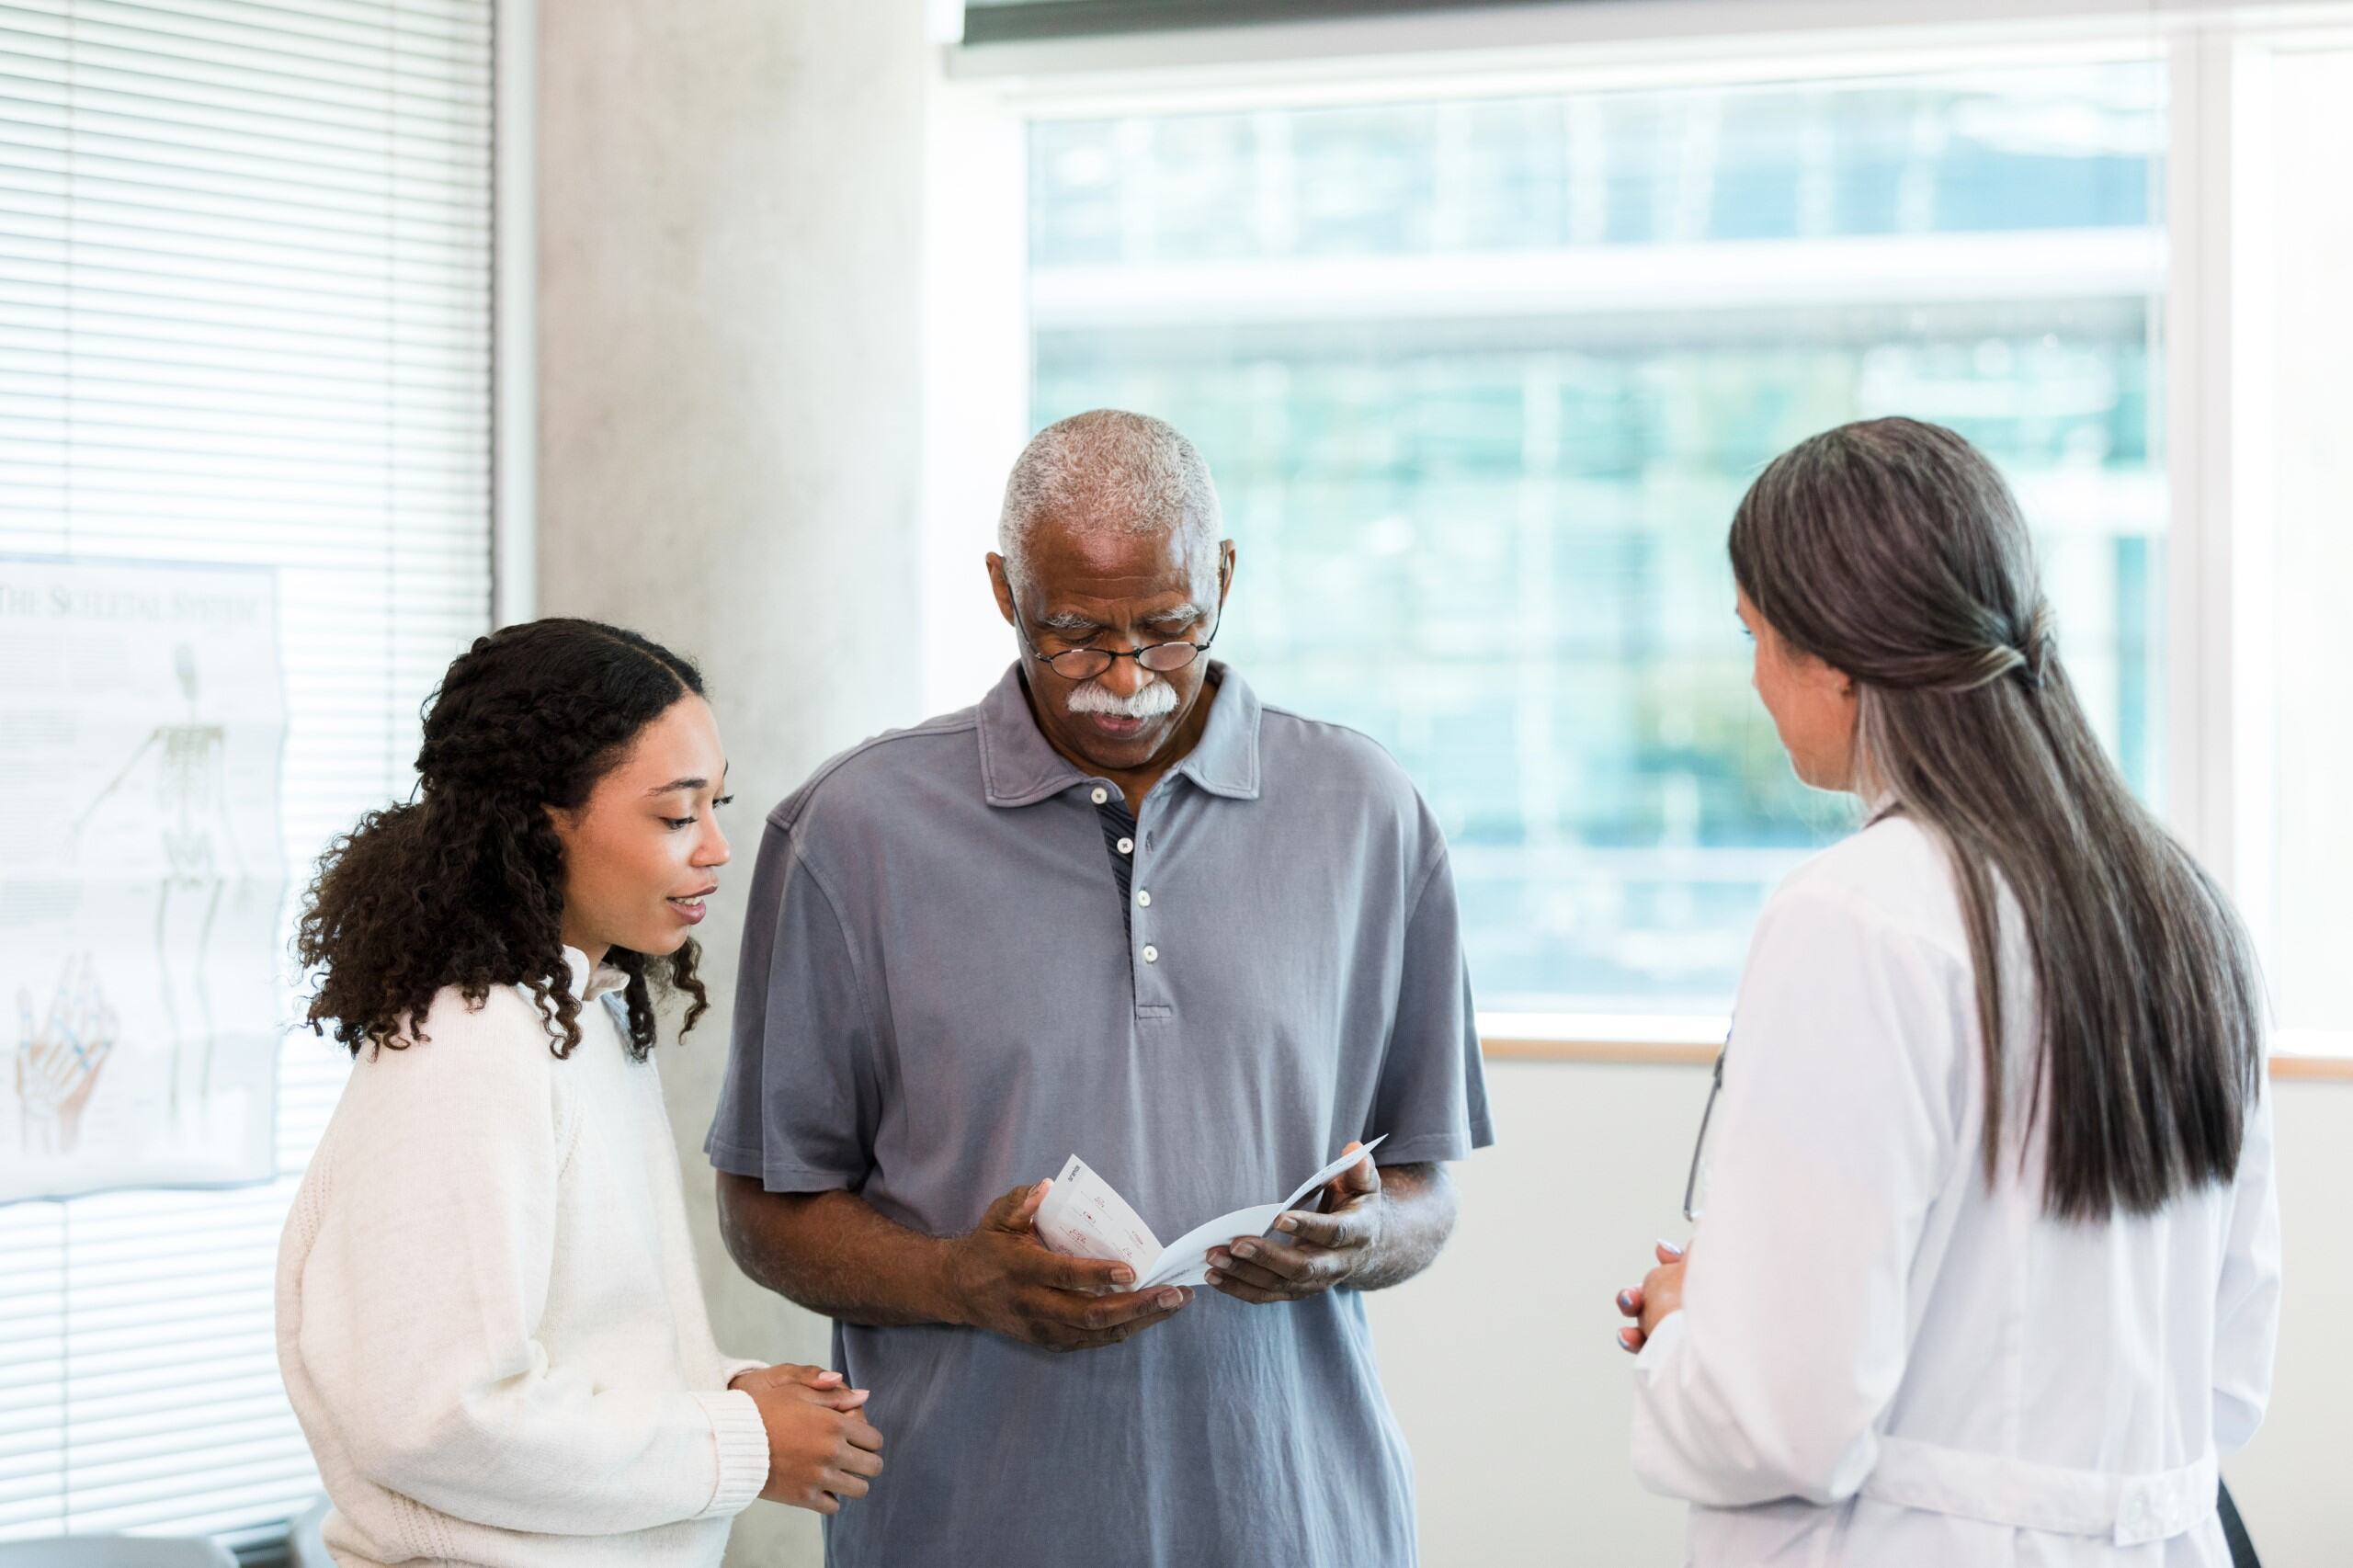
[[1695, 1186], [1087, 664]]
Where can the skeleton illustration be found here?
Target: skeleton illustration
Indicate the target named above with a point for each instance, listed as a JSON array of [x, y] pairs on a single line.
[[192, 814]]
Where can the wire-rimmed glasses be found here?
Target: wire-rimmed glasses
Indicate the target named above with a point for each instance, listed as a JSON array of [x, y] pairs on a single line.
[[1089, 663]]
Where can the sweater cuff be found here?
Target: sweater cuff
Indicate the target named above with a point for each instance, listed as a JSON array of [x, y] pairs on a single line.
[[743, 1441]]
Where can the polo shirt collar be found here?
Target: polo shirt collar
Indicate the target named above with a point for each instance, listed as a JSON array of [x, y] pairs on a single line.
[[1019, 769], [1225, 760]]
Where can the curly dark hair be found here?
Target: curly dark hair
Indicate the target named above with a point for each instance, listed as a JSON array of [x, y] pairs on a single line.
[[464, 886]]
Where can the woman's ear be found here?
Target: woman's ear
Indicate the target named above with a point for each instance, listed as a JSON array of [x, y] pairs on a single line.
[[1818, 672]]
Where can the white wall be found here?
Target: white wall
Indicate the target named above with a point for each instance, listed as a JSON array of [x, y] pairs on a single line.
[[729, 212], [1502, 1361]]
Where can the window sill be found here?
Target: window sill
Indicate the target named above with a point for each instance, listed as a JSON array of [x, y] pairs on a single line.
[[1635, 1039], [1635, 1042], [1611, 1052]]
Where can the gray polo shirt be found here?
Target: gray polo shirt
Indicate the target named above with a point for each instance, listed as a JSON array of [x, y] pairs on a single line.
[[940, 1001]]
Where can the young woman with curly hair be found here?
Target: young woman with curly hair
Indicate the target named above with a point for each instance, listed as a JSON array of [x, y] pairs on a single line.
[[488, 1315]]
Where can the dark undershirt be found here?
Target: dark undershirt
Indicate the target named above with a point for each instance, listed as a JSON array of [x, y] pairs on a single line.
[[1119, 825]]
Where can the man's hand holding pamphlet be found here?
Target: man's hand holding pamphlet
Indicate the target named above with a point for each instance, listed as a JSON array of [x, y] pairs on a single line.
[[1083, 1216]]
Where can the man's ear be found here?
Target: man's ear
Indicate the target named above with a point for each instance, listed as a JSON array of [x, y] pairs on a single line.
[[1001, 585], [1224, 574]]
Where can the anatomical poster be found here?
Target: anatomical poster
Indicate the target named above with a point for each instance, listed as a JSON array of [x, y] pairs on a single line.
[[143, 723]]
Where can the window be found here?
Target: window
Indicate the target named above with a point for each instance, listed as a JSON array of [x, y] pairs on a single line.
[[1482, 378], [245, 320]]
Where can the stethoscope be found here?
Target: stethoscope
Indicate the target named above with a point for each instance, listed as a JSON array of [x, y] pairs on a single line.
[[1699, 1144]]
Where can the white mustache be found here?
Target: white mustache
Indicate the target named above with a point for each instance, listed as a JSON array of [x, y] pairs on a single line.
[[1149, 702]]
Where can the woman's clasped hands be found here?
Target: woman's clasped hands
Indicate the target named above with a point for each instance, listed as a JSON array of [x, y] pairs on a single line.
[[821, 1449]]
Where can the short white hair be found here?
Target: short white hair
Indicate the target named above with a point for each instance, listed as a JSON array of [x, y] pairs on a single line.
[[1109, 471]]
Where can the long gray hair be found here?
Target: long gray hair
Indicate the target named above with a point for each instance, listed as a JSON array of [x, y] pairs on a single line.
[[1892, 550]]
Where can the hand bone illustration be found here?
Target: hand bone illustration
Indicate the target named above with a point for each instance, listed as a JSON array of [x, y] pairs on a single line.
[[58, 1059]]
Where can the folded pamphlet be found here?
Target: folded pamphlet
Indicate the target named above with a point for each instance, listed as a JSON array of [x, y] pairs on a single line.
[[1084, 1217]]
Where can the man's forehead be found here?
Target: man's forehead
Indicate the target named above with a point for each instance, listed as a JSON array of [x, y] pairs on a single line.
[[1071, 567]]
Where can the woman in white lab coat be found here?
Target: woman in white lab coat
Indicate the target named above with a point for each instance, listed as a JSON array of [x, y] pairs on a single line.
[[1986, 1269]]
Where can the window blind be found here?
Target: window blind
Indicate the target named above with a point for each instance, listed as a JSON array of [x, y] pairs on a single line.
[[245, 318]]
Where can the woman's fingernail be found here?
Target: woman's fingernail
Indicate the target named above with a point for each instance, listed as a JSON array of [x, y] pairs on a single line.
[[1625, 1339], [1625, 1300], [1665, 1245]]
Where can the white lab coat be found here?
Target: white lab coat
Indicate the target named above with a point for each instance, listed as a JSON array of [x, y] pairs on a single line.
[[1879, 1361]]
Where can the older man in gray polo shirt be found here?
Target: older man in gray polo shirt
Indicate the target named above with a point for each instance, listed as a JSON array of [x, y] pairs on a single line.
[[1121, 908]]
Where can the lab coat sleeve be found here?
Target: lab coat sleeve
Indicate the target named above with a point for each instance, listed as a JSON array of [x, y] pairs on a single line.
[[2246, 1301], [1837, 1127]]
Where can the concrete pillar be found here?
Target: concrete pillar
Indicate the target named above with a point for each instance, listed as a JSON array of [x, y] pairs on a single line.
[[730, 277]]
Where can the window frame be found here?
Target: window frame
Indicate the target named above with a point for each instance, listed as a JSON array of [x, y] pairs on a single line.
[[1022, 21], [2216, 681], [514, 312]]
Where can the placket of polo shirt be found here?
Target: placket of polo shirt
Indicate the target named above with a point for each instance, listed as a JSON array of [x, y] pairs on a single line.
[[1127, 844], [1129, 848], [1148, 961]]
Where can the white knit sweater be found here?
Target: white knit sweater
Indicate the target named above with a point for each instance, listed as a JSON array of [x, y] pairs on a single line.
[[488, 1316]]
